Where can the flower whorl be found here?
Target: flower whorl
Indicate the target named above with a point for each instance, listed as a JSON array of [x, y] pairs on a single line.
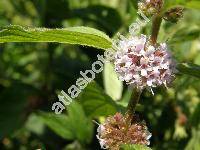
[[139, 63], [150, 7], [116, 131]]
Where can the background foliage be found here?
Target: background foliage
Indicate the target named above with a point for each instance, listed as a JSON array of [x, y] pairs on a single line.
[[32, 74]]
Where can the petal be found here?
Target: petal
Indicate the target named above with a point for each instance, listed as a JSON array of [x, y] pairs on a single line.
[[144, 72], [149, 82]]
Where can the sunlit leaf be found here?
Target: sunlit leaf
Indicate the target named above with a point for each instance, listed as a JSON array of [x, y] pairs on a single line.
[[112, 84], [75, 35], [194, 143]]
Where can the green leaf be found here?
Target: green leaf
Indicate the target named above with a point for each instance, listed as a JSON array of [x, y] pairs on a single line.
[[134, 147], [74, 146], [74, 35], [126, 98], [60, 124], [112, 84], [193, 4], [102, 15], [35, 125], [75, 126], [189, 69], [195, 117], [14, 102], [96, 103], [184, 35], [134, 3], [168, 4], [82, 126], [194, 143]]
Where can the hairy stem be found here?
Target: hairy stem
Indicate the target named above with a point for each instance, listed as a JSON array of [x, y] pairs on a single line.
[[155, 28], [132, 104]]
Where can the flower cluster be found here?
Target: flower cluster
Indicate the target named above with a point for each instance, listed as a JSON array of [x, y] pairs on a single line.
[[139, 63], [150, 7], [116, 131]]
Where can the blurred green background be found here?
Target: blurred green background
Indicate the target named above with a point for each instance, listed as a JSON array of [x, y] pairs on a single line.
[[31, 76]]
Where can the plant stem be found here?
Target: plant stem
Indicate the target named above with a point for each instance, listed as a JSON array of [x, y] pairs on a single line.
[[155, 28], [132, 104]]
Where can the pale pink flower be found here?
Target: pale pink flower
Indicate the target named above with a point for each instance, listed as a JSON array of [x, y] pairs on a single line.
[[139, 63]]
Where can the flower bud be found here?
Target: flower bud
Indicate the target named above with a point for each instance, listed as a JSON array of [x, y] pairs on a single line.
[[117, 131], [150, 7], [174, 14]]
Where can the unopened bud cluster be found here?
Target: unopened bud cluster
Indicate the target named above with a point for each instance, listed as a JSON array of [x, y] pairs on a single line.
[[117, 131], [150, 7], [174, 14]]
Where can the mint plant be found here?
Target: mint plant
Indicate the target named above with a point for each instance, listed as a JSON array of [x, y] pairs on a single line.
[[143, 62]]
